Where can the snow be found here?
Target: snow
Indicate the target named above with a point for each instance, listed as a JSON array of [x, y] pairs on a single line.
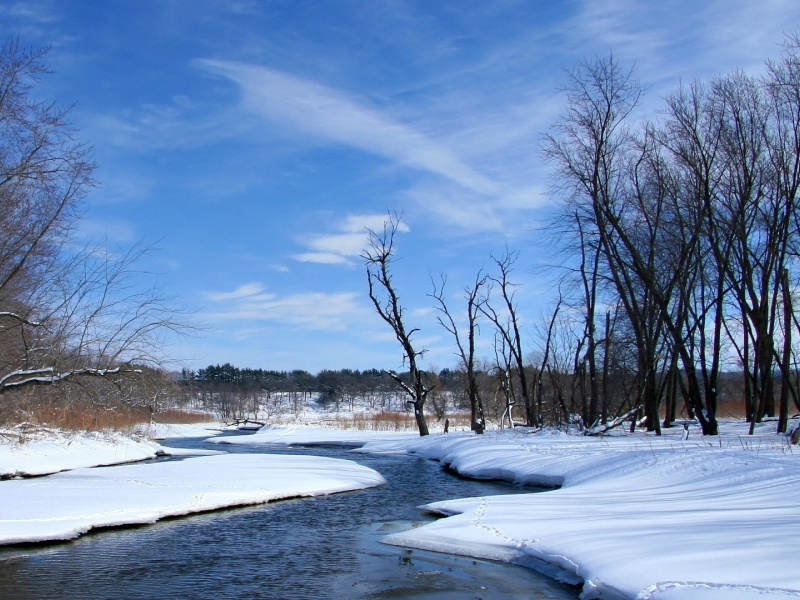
[[635, 517], [54, 451], [60, 451], [65, 505], [300, 435], [160, 431]]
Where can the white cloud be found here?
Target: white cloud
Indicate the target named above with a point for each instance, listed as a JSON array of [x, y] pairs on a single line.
[[112, 230], [311, 310], [326, 258], [29, 11], [350, 240], [360, 223], [243, 291], [336, 116], [670, 40], [343, 244]]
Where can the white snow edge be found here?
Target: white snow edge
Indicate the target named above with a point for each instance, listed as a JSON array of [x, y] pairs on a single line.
[[637, 517], [66, 505]]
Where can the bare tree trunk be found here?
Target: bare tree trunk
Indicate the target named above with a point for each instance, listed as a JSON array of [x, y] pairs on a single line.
[[467, 356], [786, 380], [378, 258], [510, 330]]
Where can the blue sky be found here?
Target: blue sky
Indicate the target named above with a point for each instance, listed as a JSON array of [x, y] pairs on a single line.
[[253, 142]]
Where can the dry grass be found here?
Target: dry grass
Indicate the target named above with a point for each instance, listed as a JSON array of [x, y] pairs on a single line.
[[118, 419], [176, 416], [378, 421], [732, 409], [384, 421], [391, 421]]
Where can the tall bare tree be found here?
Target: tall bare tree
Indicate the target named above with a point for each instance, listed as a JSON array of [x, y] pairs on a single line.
[[378, 258], [505, 318], [466, 350]]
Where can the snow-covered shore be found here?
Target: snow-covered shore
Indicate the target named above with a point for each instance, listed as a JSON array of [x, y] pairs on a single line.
[[60, 452], [303, 435], [64, 505], [635, 516], [74, 498], [52, 451]]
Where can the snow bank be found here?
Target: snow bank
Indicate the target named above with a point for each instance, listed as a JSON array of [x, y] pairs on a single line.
[[636, 517], [65, 505], [160, 431], [300, 435], [60, 451]]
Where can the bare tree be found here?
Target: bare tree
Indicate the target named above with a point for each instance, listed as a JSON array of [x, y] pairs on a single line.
[[620, 185], [506, 322], [503, 372], [66, 316], [548, 342], [378, 258], [466, 351]]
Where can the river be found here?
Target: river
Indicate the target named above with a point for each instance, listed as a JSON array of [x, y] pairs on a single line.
[[324, 547]]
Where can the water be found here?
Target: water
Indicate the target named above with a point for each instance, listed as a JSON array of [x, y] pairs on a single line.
[[324, 547]]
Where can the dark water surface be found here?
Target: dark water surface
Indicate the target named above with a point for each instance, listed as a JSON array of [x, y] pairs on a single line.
[[324, 547]]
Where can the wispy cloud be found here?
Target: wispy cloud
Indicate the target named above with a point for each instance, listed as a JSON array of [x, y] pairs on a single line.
[[248, 290], [29, 11], [180, 122], [334, 115], [670, 41], [347, 242], [112, 230], [312, 310]]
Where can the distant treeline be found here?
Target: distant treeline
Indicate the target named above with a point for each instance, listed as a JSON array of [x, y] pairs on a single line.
[[324, 382], [234, 392]]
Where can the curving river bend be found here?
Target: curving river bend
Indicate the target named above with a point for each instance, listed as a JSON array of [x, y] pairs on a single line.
[[324, 547]]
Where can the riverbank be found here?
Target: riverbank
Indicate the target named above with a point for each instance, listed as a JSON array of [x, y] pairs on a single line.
[[50, 492], [42, 451], [635, 516]]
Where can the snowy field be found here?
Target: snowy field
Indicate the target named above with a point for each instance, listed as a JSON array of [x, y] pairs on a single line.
[[160, 431], [635, 516], [64, 505]]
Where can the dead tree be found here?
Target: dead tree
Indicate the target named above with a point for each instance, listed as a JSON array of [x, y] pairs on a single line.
[[506, 322], [539, 395], [378, 258], [503, 374], [466, 355]]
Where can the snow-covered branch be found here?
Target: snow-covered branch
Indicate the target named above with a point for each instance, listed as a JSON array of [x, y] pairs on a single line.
[[19, 318], [599, 429], [49, 376]]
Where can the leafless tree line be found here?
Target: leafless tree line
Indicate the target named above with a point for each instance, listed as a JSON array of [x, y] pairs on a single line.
[[679, 238], [688, 227]]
